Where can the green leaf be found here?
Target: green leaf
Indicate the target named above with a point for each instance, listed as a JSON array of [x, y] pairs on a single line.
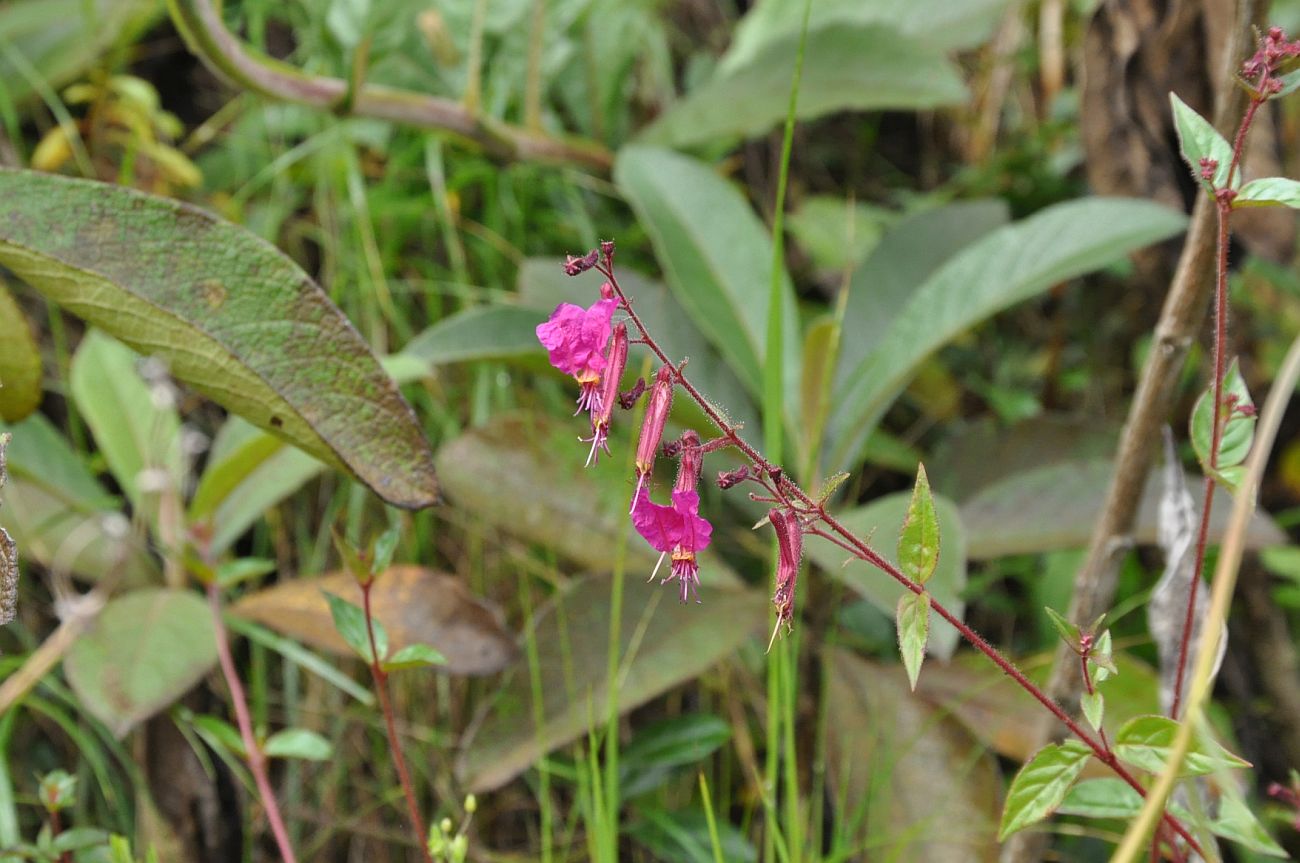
[[1145, 742], [652, 757], [1102, 798], [350, 621], [944, 24], [716, 255], [1238, 430], [913, 619], [1068, 631], [242, 569], [298, 743], [884, 516], [1268, 192], [1290, 82], [414, 656], [918, 542], [1052, 507], [79, 839], [248, 472], [1197, 140], [1094, 707], [62, 39], [20, 361], [998, 270], [1041, 785], [482, 333], [907, 255], [60, 516], [230, 315], [219, 734], [1236, 823], [147, 648], [383, 548], [683, 835], [847, 66], [135, 431], [667, 643]]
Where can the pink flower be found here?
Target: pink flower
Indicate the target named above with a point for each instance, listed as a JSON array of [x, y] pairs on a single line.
[[676, 530], [576, 339]]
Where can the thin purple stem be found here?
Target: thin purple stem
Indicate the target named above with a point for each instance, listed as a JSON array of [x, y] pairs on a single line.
[[256, 758], [1223, 208], [394, 742]]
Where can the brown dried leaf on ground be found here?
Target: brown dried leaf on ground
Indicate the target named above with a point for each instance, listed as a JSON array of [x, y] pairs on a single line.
[[414, 604]]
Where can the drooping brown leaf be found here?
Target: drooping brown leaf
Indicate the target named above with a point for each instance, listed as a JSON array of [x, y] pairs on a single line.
[[925, 787], [414, 604], [671, 642]]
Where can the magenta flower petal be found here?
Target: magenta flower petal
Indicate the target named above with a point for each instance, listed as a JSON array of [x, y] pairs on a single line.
[[695, 532], [576, 337], [659, 525]]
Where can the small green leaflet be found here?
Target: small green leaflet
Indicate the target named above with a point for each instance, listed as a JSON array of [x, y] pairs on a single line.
[[913, 632], [1197, 140], [414, 656], [298, 743], [350, 621], [1268, 192], [918, 543], [1238, 430], [1068, 631], [1094, 708], [1041, 785], [1145, 742], [1236, 823], [1102, 798]]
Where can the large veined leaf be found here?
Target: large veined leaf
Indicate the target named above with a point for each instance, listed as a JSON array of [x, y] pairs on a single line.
[[881, 520], [146, 649], [231, 315], [665, 643], [997, 271], [905, 774], [133, 431], [717, 257], [908, 253], [60, 39], [59, 514], [944, 24], [847, 66], [481, 333]]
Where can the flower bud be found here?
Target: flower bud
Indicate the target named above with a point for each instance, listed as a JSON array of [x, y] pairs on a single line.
[[692, 460], [789, 541], [573, 266], [615, 362], [652, 428]]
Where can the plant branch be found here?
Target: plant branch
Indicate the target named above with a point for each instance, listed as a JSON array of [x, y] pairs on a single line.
[[1180, 320], [201, 26], [1225, 579], [380, 678], [837, 533], [253, 749]]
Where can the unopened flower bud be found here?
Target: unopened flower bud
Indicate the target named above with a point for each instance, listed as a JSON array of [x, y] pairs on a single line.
[[573, 266], [607, 252], [615, 362], [627, 399], [471, 804], [652, 429], [692, 460], [789, 541], [729, 478]]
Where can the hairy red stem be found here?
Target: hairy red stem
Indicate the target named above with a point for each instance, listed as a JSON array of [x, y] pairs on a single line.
[[394, 742], [256, 758], [1223, 208]]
